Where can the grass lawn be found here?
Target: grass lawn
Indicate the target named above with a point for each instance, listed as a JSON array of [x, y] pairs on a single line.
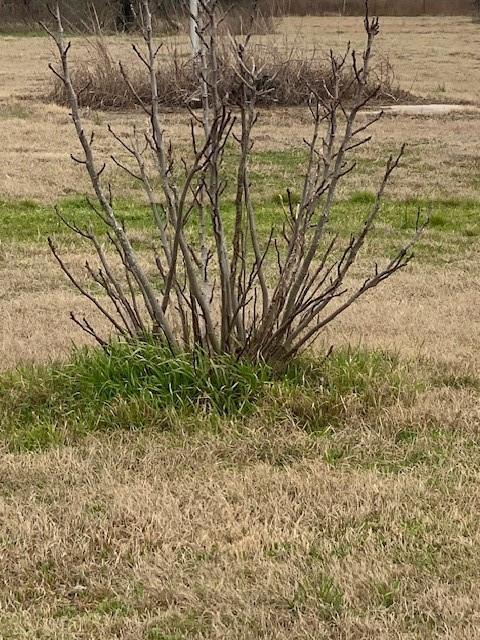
[[145, 497]]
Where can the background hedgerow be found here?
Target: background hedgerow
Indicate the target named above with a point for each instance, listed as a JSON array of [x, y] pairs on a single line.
[[84, 15]]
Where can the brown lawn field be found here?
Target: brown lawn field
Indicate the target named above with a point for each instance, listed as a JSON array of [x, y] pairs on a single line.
[[348, 518]]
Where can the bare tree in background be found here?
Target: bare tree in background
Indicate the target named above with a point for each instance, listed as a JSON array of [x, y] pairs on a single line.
[[194, 36], [126, 15], [232, 292], [170, 12]]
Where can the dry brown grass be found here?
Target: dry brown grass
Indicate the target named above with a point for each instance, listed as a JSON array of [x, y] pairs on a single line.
[[435, 166], [431, 56], [253, 535], [439, 164], [429, 53], [402, 316]]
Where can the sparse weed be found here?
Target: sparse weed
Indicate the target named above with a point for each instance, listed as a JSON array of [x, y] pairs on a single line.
[[320, 592], [387, 593]]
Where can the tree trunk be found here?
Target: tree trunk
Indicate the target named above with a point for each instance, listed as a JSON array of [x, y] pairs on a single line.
[[195, 40], [126, 17]]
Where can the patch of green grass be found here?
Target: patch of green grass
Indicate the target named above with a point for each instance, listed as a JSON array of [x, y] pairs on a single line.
[[112, 607], [319, 394], [458, 219], [67, 611], [362, 198], [14, 110], [387, 593], [320, 592], [293, 159], [334, 455], [35, 435], [329, 595], [127, 386], [450, 215], [143, 386], [456, 216], [28, 221], [397, 220]]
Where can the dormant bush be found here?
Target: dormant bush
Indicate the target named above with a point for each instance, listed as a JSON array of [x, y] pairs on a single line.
[[292, 76], [239, 293]]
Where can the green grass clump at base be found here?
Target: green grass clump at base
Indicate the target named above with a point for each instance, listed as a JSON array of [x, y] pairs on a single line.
[[143, 386], [126, 384]]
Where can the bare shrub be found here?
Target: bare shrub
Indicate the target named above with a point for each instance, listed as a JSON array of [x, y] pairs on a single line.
[[290, 75], [237, 293]]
